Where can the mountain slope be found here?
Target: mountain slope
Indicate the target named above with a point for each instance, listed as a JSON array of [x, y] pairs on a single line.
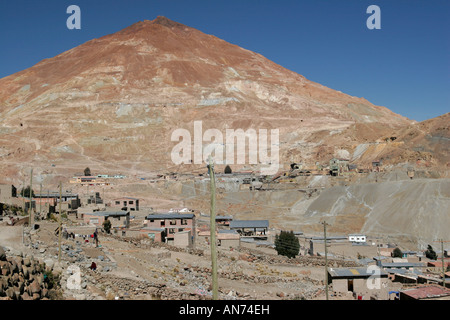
[[113, 102]]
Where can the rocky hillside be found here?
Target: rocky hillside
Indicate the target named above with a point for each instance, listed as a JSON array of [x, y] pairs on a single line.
[[112, 104]]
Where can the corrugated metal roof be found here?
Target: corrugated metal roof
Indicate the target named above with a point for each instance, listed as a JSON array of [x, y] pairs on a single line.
[[353, 273], [249, 224], [427, 292], [224, 218], [108, 213], [402, 264], [163, 216]]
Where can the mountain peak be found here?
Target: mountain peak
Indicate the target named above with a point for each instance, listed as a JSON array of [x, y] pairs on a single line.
[[161, 20]]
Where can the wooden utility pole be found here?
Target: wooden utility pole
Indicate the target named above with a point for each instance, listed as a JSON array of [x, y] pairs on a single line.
[[60, 218], [213, 230], [31, 199], [326, 258], [442, 260], [443, 264], [40, 201]]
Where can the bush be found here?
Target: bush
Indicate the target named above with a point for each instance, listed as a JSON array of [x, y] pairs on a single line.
[[430, 253], [287, 244], [397, 253], [26, 192], [107, 226]]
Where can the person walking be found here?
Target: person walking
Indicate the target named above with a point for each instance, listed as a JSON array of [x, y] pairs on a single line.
[[96, 237]]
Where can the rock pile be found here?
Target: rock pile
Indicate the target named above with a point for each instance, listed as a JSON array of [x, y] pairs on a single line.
[[24, 278]]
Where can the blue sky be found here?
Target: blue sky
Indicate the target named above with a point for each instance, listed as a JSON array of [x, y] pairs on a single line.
[[404, 66]]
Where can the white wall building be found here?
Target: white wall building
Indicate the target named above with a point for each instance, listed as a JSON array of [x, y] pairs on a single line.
[[359, 238]]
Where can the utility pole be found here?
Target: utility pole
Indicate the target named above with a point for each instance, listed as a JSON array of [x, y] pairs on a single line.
[[213, 229], [31, 199], [326, 258], [443, 265], [40, 201], [23, 195], [60, 218], [442, 260]]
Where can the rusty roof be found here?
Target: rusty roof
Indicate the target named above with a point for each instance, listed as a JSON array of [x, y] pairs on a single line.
[[427, 292]]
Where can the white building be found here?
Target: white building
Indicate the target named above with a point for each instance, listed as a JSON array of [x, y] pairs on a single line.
[[359, 238]]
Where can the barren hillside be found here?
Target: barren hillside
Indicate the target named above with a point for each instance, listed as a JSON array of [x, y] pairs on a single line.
[[112, 104]]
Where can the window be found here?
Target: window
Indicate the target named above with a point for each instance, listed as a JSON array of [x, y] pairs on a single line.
[[184, 222], [118, 203], [130, 202], [173, 222], [171, 230]]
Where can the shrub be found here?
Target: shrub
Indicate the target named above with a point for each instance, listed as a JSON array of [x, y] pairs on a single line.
[[430, 253], [107, 226], [287, 244], [397, 253]]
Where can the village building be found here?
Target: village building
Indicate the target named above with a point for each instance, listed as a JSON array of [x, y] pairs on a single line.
[[251, 228], [357, 238], [228, 239], [126, 203], [172, 223], [8, 197], [223, 220], [401, 265], [89, 181], [180, 210], [338, 166], [357, 280], [154, 234], [118, 219], [430, 292], [7, 193]]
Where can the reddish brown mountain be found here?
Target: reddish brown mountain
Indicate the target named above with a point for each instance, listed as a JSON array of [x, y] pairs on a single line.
[[113, 102]]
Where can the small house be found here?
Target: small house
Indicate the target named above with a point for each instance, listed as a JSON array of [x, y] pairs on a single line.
[[355, 279], [229, 239], [357, 238], [223, 220], [172, 223], [126, 203], [117, 218]]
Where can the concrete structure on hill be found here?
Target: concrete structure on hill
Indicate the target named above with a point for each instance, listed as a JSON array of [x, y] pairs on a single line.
[[172, 223], [357, 238], [126, 203], [117, 218], [360, 281]]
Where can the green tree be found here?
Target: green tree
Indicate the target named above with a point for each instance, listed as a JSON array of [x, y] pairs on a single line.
[[107, 226], [287, 244], [397, 253], [430, 253], [87, 172], [26, 192]]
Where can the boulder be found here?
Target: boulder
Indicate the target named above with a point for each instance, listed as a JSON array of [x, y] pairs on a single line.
[[34, 287]]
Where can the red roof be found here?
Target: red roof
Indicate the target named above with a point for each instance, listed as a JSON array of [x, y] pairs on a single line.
[[427, 292]]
